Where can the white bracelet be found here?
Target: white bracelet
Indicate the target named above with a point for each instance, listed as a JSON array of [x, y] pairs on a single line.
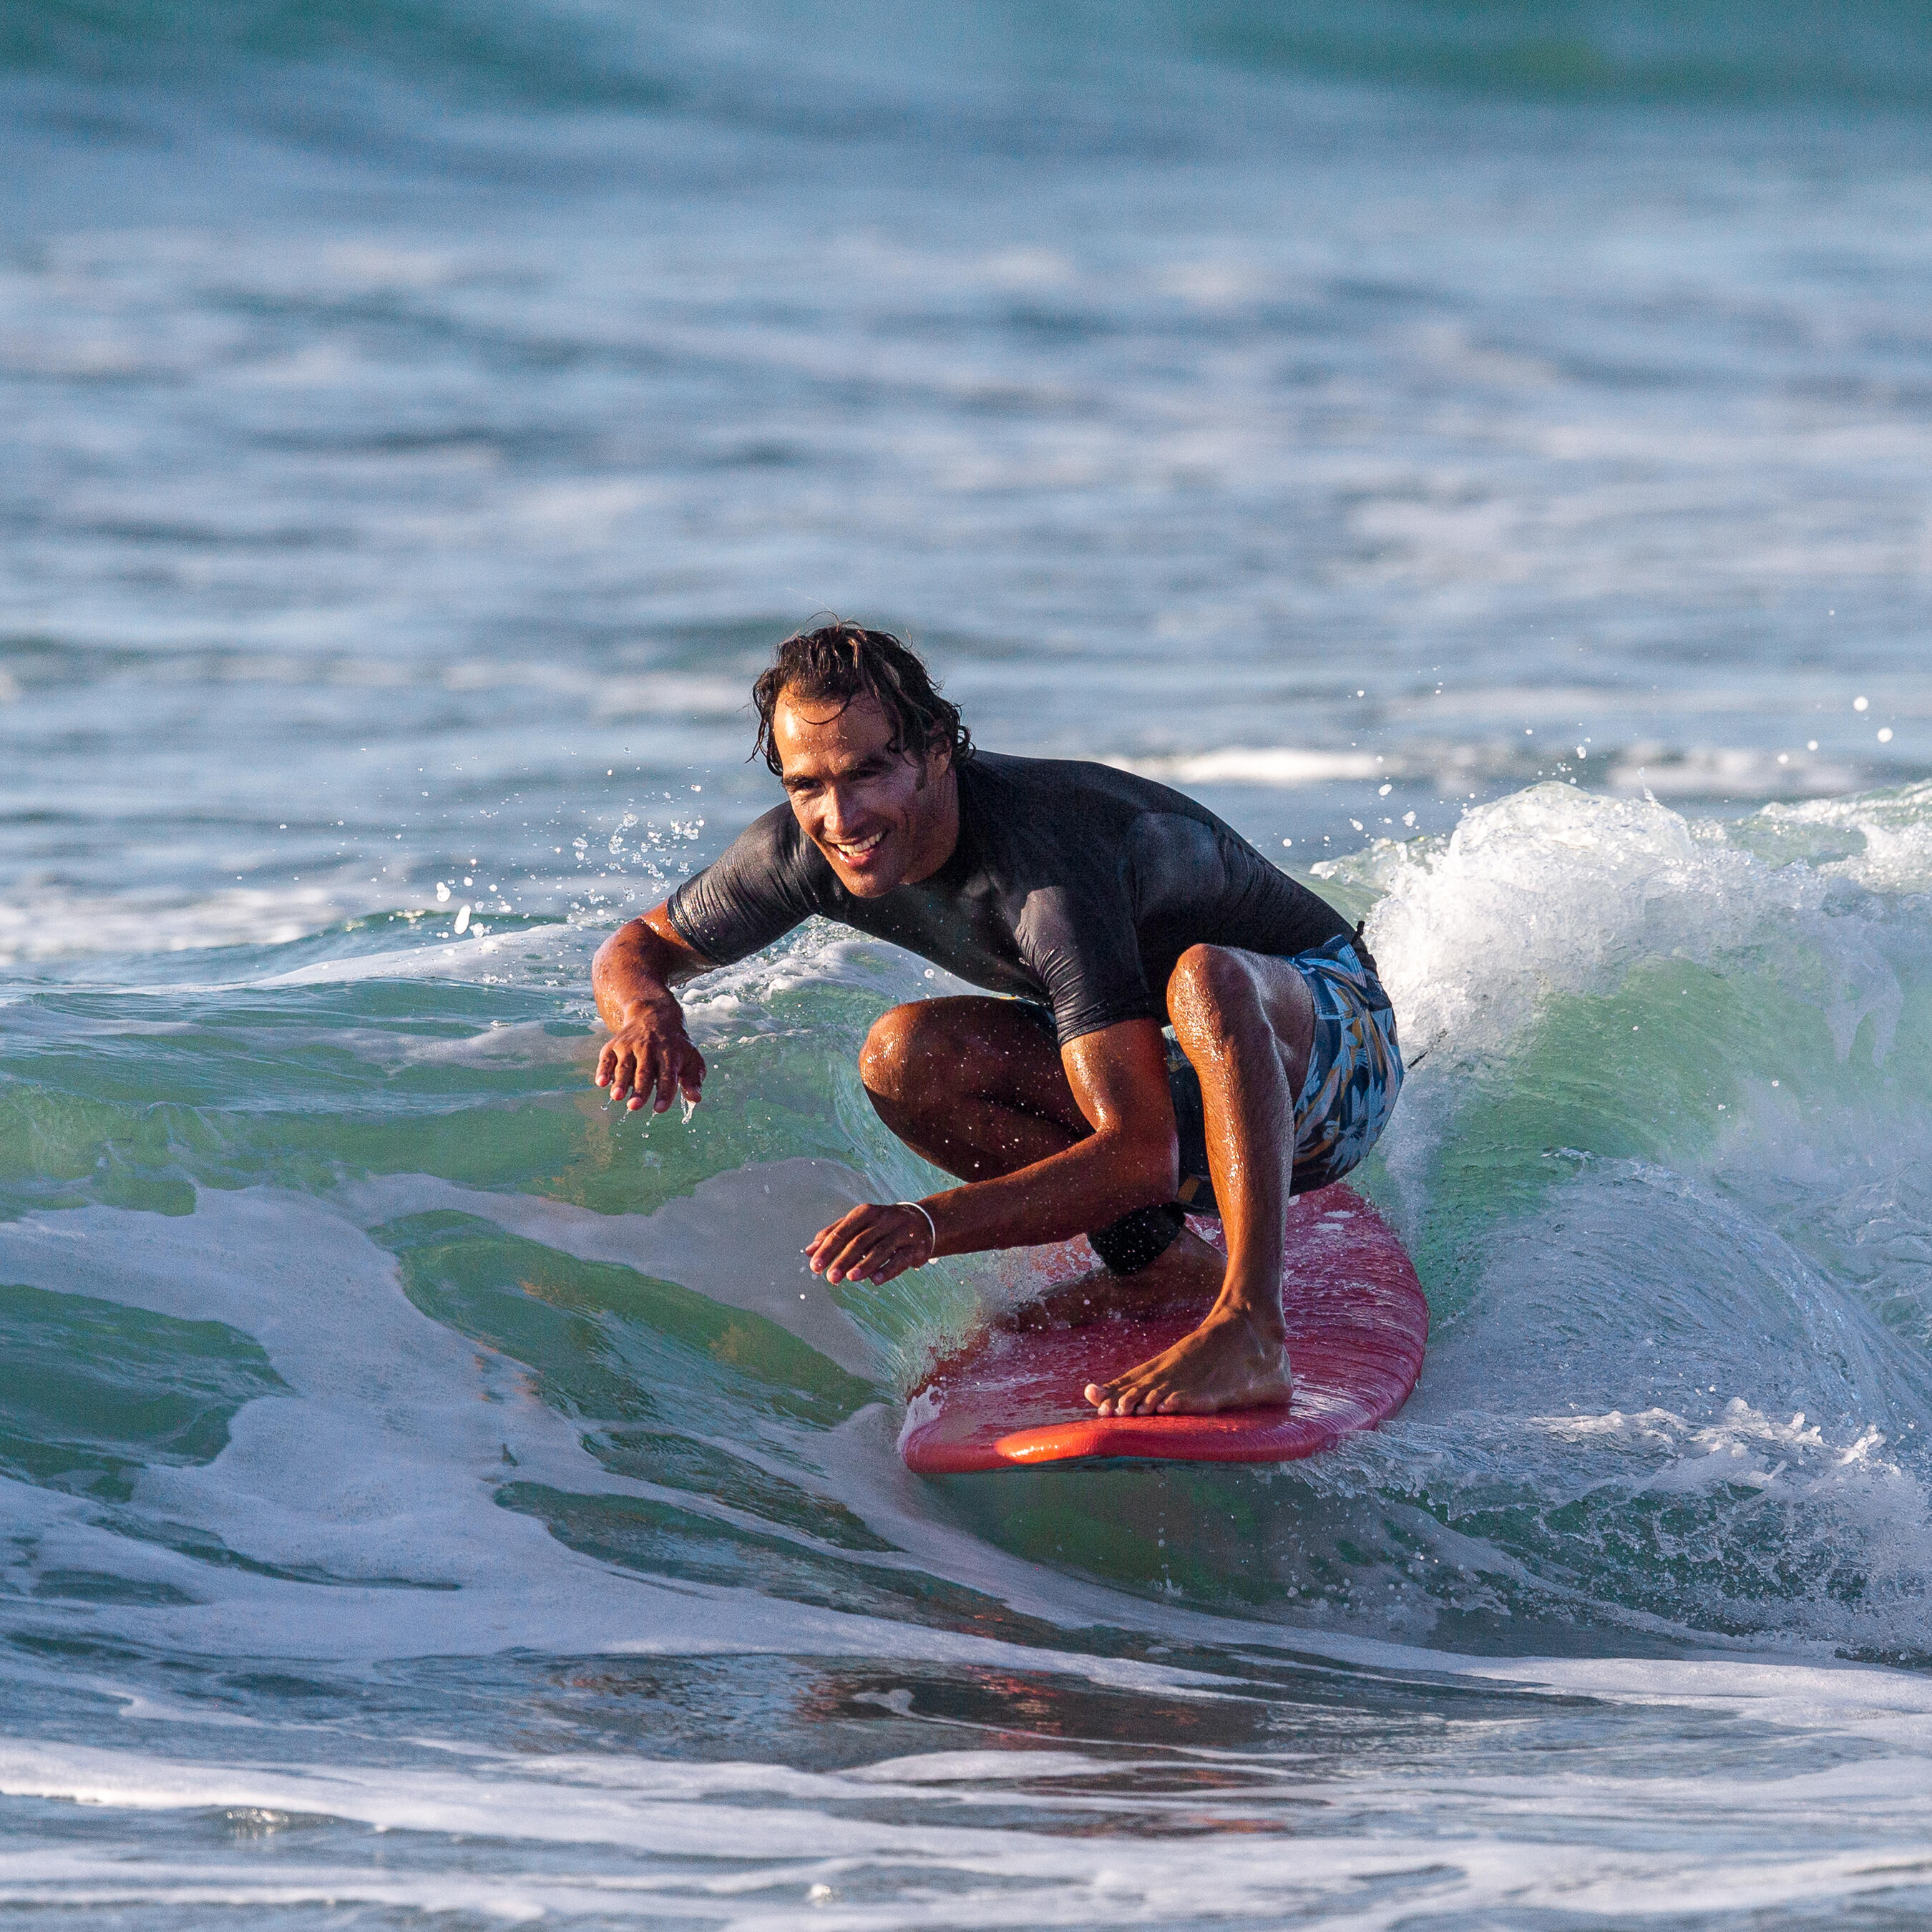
[[918, 1210]]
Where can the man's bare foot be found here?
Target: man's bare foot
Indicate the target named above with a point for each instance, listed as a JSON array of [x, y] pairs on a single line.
[[1229, 1362], [1188, 1273]]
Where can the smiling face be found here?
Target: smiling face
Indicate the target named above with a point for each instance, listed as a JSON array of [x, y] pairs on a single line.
[[881, 816]]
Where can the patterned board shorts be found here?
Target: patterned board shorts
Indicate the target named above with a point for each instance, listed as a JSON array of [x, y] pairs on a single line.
[[1355, 1073]]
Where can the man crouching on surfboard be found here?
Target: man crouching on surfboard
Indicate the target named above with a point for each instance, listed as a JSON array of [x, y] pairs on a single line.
[[1106, 903]]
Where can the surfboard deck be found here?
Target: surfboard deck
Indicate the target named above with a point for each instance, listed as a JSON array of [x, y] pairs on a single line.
[[1357, 1323]]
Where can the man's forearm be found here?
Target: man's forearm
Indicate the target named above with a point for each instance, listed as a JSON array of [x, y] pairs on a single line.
[[649, 1056], [632, 972], [1069, 1193]]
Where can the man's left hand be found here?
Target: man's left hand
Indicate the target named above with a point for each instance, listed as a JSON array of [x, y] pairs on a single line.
[[871, 1243]]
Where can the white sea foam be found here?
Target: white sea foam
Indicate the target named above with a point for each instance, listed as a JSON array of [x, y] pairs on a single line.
[[1591, 1377], [1889, 835], [50, 922], [1262, 765], [922, 1839], [1427, 758], [1555, 890]]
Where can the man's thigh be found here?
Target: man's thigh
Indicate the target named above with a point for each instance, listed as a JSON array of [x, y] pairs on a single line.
[[1004, 1051], [1245, 987], [1238, 1002], [1289, 1009]]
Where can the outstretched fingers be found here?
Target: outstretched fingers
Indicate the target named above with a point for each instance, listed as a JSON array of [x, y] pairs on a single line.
[[691, 1073], [622, 1067], [609, 1062], [664, 1080], [653, 1073]]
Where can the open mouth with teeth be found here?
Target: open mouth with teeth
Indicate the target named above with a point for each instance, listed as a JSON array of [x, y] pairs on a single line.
[[856, 851]]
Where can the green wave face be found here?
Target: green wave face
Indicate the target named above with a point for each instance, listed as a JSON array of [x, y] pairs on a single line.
[[559, 57], [1719, 52], [95, 1392], [1660, 1162], [556, 59]]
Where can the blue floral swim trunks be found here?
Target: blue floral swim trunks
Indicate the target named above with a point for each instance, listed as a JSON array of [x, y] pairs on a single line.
[[1355, 1073]]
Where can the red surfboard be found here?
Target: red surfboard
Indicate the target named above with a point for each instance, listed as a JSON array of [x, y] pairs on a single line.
[[1356, 1323]]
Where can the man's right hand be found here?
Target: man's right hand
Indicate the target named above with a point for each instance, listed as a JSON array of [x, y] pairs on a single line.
[[651, 1058]]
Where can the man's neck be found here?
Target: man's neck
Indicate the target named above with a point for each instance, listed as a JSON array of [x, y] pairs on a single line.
[[935, 850]]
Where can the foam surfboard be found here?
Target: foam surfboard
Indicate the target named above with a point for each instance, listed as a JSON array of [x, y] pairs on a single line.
[[1356, 1324]]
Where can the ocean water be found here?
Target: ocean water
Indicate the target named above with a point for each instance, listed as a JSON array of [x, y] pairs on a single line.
[[1481, 450]]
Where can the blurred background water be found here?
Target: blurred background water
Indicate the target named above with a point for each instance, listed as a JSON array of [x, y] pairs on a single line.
[[1481, 450]]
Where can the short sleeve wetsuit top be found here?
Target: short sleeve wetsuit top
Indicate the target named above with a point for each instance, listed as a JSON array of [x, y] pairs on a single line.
[[1072, 884]]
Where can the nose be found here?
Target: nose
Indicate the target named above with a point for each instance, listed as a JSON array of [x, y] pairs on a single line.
[[837, 819]]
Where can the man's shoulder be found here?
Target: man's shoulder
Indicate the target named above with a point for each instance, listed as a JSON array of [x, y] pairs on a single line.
[[1083, 781], [773, 846], [1041, 789], [1074, 830], [775, 830]]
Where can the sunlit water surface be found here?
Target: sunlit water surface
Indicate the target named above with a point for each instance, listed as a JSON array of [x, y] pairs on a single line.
[[1487, 463]]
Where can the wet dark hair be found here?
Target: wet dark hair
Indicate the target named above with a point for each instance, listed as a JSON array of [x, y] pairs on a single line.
[[837, 663]]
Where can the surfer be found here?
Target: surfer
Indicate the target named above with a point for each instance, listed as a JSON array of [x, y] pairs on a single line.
[[1102, 905]]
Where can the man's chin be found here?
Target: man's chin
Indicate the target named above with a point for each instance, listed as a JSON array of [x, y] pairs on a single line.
[[869, 882], [867, 885]]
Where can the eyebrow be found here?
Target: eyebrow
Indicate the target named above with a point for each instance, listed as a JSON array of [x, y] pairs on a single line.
[[872, 761]]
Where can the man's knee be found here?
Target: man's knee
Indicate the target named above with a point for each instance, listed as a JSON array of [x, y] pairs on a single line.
[[888, 1060], [1209, 991]]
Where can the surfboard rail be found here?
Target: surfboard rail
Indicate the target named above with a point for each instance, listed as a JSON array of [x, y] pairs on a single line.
[[1358, 1326]]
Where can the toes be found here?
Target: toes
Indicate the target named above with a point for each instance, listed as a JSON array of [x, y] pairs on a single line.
[[1139, 1393], [1128, 1396]]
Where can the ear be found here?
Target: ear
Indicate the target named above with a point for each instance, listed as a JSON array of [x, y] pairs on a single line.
[[933, 763]]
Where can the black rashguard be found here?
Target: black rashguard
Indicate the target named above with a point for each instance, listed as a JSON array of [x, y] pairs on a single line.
[[1071, 883]]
